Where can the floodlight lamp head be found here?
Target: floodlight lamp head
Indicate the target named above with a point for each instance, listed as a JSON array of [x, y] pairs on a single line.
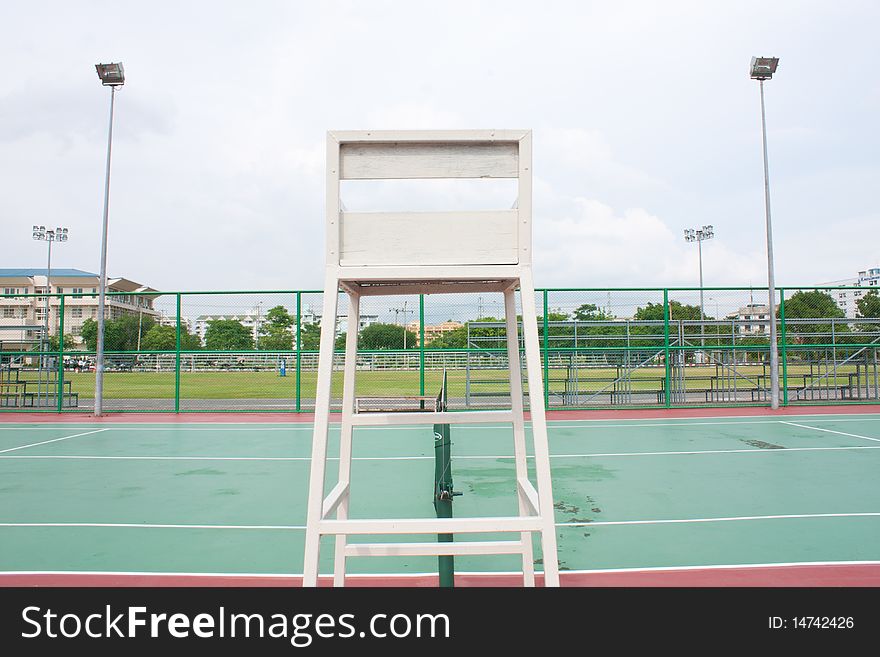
[[763, 68], [61, 234], [112, 75], [689, 235], [708, 232], [39, 232]]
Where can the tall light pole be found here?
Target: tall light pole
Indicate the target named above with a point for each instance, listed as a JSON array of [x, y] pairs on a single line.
[[699, 236], [397, 312], [58, 235], [763, 68], [112, 75]]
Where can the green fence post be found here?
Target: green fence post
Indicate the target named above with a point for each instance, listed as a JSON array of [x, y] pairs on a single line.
[[421, 345], [177, 361], [784, 350], [668, 395], [546, 352], [60, 377], [298, 350]]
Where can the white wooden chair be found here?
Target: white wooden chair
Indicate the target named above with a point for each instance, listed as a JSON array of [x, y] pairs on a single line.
[[392, 253]]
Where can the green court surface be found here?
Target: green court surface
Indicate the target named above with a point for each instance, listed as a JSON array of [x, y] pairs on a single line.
[[230, 498]]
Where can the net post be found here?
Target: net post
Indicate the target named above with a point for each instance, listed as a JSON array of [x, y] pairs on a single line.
[[443, 487], [421, 346]]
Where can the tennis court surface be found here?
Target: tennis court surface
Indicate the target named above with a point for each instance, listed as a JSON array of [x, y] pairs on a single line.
[[687, 498]]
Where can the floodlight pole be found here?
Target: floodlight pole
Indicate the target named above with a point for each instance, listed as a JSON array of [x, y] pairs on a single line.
[[702, 311], [771, 279], [102, 283], [45, 343]]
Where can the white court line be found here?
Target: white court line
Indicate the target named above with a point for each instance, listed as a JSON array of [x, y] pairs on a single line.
[[54, 440], [634, 423], [598, 523], [89, 457], [734, 566], [842, 433], [676, 521]]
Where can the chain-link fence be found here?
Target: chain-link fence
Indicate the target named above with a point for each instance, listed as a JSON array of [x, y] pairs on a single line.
[[600, 348]]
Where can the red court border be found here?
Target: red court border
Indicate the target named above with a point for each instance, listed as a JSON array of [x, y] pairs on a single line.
[[807, 575]]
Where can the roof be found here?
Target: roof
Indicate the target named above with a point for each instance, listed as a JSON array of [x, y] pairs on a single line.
[[56, 273]]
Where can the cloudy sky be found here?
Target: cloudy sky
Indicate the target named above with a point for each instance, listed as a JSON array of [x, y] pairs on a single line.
[[645, 123]]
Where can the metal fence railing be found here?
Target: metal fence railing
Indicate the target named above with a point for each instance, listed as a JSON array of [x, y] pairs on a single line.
[[600, 348]]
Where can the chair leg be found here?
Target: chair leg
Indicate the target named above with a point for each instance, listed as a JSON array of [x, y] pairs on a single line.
[[319, 438], [519, 431], [539, 430], [348, 388]]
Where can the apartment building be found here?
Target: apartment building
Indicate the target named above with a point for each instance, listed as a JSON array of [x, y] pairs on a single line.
[[253, 319], [752, 319], [23, 319], [845, 299], [434, 331]]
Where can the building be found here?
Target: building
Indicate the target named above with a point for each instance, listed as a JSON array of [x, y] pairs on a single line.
[[434, 331], [752, 319], [23, 318], [250, 319], [171, 320], [846, 300], [310, 317]]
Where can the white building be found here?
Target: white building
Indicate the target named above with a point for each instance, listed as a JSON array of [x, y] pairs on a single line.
[[846, 299], [171, 320], [752, 319], [256, 317], [23, 319]]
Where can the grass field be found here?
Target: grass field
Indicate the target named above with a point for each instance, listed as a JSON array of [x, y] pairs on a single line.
[[268, 385]]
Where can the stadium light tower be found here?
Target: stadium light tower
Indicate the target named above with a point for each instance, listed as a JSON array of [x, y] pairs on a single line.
[[112, 75], [699, 236], [42, 235], [763, 68]]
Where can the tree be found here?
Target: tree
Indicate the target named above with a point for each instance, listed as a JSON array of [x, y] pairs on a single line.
[[89, 334], [164, 338], [812, 305], [276, 331], [228, 335], [590, 312], [120, 334], [677, 310], [310, 334], [868, 305], [454, 339], [387, 336]]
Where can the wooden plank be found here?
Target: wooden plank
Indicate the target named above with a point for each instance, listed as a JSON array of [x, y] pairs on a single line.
[[430, 549], [336, 496], [429, 417], [357, 136], [429, 238], [432, 525], [531, 495], [453, 287], [446, 274], [389, 161]]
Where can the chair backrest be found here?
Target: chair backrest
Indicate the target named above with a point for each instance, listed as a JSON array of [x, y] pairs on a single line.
[[450, 238]]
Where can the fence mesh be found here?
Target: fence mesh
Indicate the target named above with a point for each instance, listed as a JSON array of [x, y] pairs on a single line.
[[258, 351]]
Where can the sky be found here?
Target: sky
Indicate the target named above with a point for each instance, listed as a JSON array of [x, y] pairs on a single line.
[[645, 123]]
